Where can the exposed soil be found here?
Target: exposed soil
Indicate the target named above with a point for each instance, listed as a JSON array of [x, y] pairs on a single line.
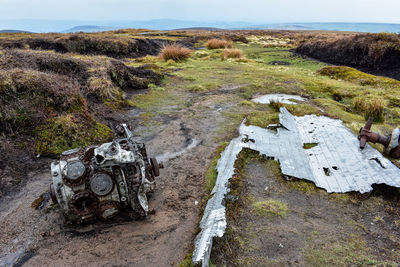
[[319, 229], [185, 142]]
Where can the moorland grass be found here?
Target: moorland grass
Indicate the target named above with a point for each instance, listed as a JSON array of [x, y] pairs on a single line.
[[218, 44], [175, 52]]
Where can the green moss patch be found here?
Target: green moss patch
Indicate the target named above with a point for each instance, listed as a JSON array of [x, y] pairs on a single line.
[[68, 131], [270, 208], [352, 251], [362, 78], [262, 118]]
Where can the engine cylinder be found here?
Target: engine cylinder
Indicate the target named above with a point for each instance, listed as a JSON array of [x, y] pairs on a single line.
[[101, 184]]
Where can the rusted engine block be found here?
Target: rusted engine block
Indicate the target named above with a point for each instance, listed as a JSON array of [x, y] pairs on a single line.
[[100, 181]]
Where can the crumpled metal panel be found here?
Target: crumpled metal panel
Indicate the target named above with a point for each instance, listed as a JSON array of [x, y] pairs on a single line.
[[281, 98], [213, 222], [336, 164]]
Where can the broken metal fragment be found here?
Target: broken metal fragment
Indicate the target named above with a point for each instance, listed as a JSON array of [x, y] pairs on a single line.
[[334, 162], [100, 181], [390, 142]]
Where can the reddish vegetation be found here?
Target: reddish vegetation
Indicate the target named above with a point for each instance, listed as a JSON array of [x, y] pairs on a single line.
[[175, 52], [218, 44]]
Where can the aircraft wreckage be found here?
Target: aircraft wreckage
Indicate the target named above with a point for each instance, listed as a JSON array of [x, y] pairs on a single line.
[[99, 181], [316, 148]]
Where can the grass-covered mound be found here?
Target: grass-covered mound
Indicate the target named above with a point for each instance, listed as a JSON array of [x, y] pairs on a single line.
[[353, 75], [381, 92]]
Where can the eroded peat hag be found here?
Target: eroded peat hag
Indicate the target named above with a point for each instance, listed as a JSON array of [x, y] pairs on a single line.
[[374, 53]]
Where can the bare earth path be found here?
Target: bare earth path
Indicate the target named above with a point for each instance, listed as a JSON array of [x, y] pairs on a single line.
[[39, 238]]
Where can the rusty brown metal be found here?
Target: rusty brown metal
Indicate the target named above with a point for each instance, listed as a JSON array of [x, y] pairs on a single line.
[[88, 155], [156, 166], [52, 193], [390, 142], [366, 135], [395, 152], [84, 204]]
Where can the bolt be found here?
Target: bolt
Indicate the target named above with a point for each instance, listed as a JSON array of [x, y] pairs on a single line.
[[123, 199]]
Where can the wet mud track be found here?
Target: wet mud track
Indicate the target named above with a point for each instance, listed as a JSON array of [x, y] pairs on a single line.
[[40, 237]]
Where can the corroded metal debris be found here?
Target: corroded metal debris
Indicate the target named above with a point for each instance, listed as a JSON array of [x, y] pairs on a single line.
[[315, 148], [100, 181], [390, 142]]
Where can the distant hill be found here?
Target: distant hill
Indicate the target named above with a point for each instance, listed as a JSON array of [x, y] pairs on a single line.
[[170, 24], [282, 26], [13, 31], [199, 29], [334, 26], [90, 28]]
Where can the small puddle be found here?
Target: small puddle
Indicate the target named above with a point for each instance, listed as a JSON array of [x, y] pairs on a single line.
[[281, 98], [171, 155], [18, 257]]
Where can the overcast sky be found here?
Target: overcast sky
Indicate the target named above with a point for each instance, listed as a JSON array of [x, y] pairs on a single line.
[[229, 10]]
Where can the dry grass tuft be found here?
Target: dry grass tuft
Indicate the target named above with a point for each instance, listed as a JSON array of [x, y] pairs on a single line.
[[373, 108], [218, 44], [175, 52], [102, 87], [232, 53]]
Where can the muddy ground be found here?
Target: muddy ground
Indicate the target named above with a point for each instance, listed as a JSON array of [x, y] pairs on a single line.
[[186, 143]]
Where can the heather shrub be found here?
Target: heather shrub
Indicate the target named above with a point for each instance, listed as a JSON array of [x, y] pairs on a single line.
[[370, 107]]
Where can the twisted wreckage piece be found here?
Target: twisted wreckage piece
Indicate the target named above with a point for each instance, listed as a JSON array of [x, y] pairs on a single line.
[[100, 181], [390, 142], [318, 149]]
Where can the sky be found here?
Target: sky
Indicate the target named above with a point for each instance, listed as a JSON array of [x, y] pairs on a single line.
[[264, 11]]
